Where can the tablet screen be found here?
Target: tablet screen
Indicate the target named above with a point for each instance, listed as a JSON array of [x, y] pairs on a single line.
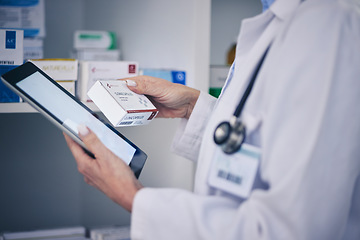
[[70, 114]]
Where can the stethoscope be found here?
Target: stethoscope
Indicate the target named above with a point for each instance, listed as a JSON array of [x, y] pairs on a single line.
[[230, 135]]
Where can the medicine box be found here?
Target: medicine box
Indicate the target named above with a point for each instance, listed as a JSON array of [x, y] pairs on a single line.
[[58, 69], [218, 76], [120, 105], [174, 76], [68, 85], [92, 71], [94, 39], [11, 56], [96, 54], [28, 15], [63, 71], [11, 47], [33, 48]]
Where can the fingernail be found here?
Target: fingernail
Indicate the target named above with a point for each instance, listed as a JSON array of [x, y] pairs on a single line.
[[83, 130], [131, 83]]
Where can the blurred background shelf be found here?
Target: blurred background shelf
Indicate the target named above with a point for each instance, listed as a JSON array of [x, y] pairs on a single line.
[[40, 186], [26, 108]]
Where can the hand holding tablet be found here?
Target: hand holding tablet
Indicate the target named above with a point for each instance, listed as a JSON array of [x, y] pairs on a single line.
[[107, 172]]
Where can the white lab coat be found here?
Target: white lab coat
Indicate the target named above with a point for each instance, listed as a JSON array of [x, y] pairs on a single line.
[[303, 113]]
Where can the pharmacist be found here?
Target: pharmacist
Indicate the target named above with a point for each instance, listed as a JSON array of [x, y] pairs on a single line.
[[297, 173]]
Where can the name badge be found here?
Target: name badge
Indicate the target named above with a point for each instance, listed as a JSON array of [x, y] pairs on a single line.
[[235, 173]]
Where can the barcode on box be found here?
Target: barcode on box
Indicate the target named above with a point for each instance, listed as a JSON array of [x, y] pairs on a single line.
[[127, 123], [7, 62]]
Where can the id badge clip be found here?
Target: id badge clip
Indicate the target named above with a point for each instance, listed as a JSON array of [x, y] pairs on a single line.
[[235, 174]]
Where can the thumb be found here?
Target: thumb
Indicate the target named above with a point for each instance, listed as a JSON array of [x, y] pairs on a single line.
[[133, 85], [147, 85], [92, 142]]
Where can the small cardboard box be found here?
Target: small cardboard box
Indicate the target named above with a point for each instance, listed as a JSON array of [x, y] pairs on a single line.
[[120, 105], [68, 85], [218, 76], [33, 48], [174, 76], [11, 47], [94, 39], [59, 69], [96, 54]]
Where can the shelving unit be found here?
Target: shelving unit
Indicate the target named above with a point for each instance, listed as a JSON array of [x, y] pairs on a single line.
[[39, 184], [24, 107]]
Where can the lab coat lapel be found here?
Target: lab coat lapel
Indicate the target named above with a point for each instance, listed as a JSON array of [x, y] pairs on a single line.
[[255, 37]]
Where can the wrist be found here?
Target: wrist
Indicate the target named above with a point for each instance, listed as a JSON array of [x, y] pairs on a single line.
[[192, 99], [128, 203], [125, 198]]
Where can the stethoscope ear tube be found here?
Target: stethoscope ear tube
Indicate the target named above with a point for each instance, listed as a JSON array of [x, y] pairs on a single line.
[[231, 135]]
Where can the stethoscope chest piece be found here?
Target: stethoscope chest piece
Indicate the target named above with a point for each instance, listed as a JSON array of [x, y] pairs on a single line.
[[230, 135]]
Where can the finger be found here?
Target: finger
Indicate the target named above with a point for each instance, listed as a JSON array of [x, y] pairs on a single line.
[[88, 181], [92, 142], [78, 152], [75, 148]]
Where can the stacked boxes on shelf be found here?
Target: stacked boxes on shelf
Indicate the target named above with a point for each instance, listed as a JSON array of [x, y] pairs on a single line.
[[63, 71], [11, 56], [27, 15], [72, 233], [68, 233], [95, 46], [110, 233], [21, 37]]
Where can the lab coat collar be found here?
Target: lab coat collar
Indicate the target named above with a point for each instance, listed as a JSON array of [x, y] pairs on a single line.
[[284, 8]]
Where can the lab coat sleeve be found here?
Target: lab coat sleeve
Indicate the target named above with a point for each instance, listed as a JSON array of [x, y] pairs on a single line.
[[310, 142], [189, 135]]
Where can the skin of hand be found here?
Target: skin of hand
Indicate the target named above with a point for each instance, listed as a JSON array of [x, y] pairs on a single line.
[[171, 99], [106, 172]]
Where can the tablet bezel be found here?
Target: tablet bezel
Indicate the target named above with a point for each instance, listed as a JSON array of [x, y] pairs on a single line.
[[11, 78]]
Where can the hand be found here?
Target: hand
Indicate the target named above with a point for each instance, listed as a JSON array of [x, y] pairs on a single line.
[[106, 172], [171, 99]]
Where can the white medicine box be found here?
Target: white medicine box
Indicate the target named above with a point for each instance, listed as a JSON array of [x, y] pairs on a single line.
[[120, 105]]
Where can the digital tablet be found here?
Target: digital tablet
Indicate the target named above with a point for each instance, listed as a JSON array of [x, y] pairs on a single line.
[[67, 112]]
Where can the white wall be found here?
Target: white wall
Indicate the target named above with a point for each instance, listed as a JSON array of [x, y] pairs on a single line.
[[62, 18]]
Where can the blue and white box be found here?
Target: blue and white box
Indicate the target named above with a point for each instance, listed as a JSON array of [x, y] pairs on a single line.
[[174, 76], [11, 56]]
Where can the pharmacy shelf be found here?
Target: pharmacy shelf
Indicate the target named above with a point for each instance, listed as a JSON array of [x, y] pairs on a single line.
[[26, 108]]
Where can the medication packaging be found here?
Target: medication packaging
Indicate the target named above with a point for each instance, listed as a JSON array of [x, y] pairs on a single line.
[[120, 105]]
